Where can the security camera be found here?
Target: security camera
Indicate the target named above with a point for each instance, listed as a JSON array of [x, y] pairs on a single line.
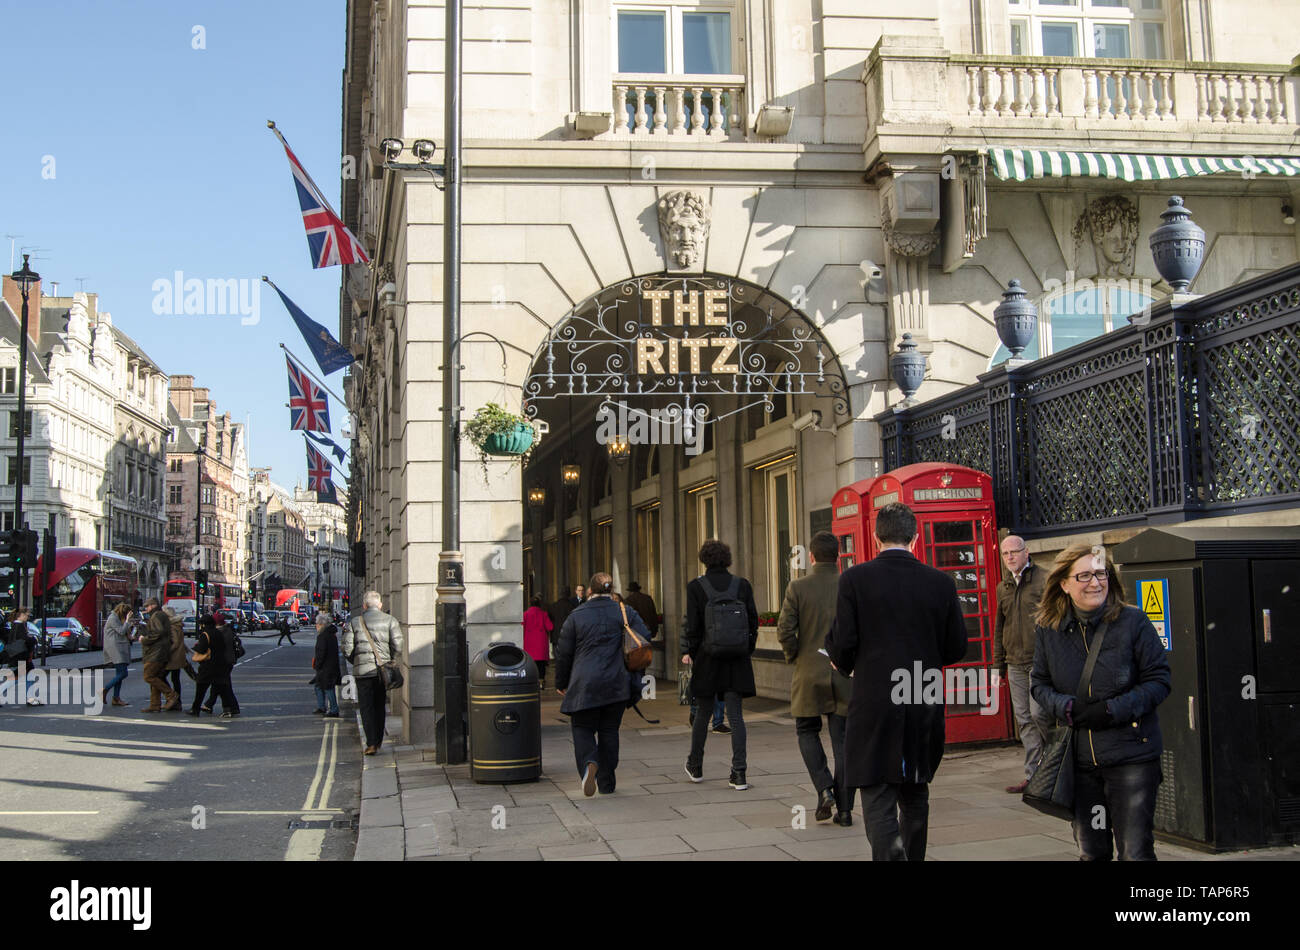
[[809, 420], [388, 294], [424, 150], [391, 148], [871, 270]]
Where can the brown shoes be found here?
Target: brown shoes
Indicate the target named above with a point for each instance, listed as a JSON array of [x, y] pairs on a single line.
[[370, 750], [589, 782], [1018, 789], [120, 702], [150, 709], [173, 705]]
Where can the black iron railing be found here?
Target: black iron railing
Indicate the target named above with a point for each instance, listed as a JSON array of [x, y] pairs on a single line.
[[1193, 414]]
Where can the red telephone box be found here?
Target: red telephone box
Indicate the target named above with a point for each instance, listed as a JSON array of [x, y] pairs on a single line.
[[957, 533]]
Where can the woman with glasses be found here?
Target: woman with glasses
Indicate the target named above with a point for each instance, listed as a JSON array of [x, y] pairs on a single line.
[[1117, 740]]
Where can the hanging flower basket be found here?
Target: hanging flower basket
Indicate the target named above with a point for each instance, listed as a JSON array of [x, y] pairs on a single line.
[[494, 431]]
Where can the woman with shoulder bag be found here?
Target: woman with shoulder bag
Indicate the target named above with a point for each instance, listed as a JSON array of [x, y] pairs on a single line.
[[591, 675], [117, 650], [372, 643], [1083, 620], [325, 662]]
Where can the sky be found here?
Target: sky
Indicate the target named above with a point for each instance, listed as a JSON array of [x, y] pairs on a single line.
[[145, 151]]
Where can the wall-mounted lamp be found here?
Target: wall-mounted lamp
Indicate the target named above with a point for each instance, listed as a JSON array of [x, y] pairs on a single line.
[[619, 450], [774, 121], [571, 475], [1288, 215], [536, 497], [392, 148]]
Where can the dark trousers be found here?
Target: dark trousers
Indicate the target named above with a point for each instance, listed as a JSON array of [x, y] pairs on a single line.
[[1121, 799], [595, 739], [371, 697], [175, 677], [284, 634], [700, 732], [897, 819], [808, 729], [218, 686], [541, 672]]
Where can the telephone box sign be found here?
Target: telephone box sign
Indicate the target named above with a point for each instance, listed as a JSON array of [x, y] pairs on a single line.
[[957, 533], [673, 340]]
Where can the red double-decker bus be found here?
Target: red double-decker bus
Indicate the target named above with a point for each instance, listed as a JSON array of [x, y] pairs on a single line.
[[87, 584], [178, 588]]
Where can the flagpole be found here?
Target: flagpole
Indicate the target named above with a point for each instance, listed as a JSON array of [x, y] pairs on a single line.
[[303, 366]]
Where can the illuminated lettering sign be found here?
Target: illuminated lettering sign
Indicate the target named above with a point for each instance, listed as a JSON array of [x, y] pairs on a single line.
[[846, 511], [888, 498]]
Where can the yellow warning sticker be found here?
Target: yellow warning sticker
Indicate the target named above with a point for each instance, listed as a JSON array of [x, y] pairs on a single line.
[[1153, 604]]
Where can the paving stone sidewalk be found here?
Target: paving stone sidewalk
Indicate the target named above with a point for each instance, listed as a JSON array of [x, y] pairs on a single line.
[[413, 809]]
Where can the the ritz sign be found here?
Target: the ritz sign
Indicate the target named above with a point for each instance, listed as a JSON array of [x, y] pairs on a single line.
[[689, 308]]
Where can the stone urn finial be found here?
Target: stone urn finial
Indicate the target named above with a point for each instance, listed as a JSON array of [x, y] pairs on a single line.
[[907, 366], [1178, 246], [1016, 319]]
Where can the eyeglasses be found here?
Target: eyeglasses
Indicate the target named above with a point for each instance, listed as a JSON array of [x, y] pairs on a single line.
[[1088, 576]]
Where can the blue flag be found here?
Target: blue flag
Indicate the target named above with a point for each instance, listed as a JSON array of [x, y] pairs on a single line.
[[336, 450], [330, 354]]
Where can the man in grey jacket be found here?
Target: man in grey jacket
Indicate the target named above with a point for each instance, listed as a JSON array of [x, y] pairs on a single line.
[[371, 639]]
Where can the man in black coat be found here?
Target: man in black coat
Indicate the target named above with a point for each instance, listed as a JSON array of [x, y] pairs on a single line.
[[731, 679], [895, 619], [559, 612], [644, 605]]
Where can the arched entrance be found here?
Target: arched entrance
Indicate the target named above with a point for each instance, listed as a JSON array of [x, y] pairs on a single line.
[[680, 408]]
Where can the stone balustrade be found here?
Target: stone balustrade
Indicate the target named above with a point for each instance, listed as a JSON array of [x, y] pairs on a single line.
[[711, 107], [1019, 87]]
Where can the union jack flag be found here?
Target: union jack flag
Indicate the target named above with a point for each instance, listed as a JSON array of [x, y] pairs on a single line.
[[309, 407], [329, 241], [318, 476]]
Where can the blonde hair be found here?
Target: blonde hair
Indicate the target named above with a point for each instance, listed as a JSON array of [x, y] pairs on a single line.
[[121, 610], [1051, 609]]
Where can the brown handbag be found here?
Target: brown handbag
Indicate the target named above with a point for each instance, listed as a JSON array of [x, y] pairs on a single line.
[[637, 654]]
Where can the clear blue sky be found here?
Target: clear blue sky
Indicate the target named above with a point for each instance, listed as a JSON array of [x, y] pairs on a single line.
[[163, 162]]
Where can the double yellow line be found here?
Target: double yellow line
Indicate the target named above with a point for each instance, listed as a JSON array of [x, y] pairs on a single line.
[[323, 781]]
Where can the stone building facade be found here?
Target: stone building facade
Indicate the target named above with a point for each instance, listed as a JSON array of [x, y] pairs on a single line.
[[211, 484], [841, 173], [326, 530]]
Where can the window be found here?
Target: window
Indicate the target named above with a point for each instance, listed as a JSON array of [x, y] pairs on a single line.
[[679, 39], [27, 424], [173, 494], [647, 550], [13, 470], [9, 381], [707, 516], [173, 526], [1105, 29], [207, 494], [1076, 314], [781, 524]]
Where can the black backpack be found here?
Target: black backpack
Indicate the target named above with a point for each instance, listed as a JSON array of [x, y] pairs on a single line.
[[726, 622]]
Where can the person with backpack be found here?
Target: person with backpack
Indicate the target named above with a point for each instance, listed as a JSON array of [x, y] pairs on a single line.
[[215, 652], [596, 684], [720, 635]]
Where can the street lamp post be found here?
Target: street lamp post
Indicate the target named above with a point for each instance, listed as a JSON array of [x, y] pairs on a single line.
[[26, 279], [108, 528], [198, 522]]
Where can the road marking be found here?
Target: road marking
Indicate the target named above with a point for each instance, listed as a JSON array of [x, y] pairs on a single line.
[[305, 844], [295, 811], [49, 813]]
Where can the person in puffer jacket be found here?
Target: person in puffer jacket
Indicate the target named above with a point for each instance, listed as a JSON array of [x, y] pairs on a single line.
[[1117, 742]]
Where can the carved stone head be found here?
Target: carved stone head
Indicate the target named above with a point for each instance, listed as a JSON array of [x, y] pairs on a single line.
[[684, 226], [1111, 224]]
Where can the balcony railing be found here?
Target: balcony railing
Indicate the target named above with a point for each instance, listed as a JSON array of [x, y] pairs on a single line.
[[703, 106], [1042, 87], [1192, 415]]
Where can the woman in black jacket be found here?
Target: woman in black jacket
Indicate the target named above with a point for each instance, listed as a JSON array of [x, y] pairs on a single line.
[[326, 665], [595, 684], [1117, 741]]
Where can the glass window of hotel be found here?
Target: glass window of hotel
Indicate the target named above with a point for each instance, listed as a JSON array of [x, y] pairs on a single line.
[[1105, 29], [675, 39], [781, 526], [1079, 313]]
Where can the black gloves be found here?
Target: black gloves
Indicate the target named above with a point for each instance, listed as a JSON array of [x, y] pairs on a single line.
[[1090, 714]]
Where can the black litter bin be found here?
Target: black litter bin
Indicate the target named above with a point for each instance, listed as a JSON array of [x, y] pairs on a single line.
[[505, 716]]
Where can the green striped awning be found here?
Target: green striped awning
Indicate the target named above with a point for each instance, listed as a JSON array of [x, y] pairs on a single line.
[[1021, 164]]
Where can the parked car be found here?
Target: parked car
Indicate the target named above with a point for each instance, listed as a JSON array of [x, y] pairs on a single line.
[[264, 622], [67, 635]]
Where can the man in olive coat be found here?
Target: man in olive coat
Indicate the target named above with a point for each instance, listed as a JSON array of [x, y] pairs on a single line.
[[1019, 592], [807, 614], [156, 643], [898, 622]]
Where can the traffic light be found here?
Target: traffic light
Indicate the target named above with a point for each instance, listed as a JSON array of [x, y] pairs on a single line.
[[49, 551], [18, 550], [201, 578]]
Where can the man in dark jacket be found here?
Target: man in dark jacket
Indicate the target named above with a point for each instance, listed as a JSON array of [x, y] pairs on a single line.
[[644, 605], [895, 619], [596, 686], [156, 644], [1019, 592], [730, 678], [559, 612], [285, 631]]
